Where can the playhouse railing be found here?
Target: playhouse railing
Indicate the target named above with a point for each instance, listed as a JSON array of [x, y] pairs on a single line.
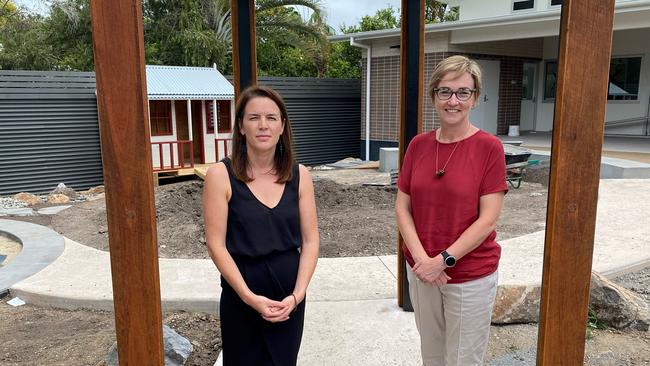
[[172, 155]]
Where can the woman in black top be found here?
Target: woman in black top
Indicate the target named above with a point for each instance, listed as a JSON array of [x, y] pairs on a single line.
[[262, 234]]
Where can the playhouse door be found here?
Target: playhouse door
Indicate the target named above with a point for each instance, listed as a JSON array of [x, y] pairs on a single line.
[[197, 131]]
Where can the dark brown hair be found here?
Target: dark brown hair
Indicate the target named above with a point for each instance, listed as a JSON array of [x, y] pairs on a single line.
[[283, 160]]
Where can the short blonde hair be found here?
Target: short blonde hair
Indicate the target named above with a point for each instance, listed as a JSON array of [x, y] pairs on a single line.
[[456, 64]]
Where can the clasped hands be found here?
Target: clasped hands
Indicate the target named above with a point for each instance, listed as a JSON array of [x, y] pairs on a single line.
[[431, 270], [274, 311]]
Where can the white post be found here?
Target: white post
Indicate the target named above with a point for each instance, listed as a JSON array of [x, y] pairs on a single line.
[[368, 61], [189, 119]]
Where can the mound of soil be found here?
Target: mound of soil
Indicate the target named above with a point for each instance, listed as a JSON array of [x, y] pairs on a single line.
[[84, 337], [353, 219]]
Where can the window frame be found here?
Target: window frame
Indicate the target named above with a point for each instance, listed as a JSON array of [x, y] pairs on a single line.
[[546, 99], [210, 117], [225, 113], [513, 2], [638, 90], [168, 117]]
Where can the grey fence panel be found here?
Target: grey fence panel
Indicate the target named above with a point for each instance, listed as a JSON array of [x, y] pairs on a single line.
[[49, 131], [48, 137], [47, 85], [325, 116]]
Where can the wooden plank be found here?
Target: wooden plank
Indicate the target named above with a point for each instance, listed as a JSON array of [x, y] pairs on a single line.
[[243, 44], [581, 97], [411, 91], [126, 152]]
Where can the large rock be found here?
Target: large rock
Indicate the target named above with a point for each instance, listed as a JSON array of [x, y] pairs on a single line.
[[616, 306], [94, 190], [613, 305], [66, 191], [58, 198], [27, 198], [516, 304], [177, 349]]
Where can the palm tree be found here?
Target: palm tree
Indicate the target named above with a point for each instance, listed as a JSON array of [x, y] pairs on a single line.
[[275, 19]]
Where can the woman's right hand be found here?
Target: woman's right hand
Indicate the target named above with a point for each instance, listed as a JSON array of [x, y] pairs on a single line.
[[429, 269], [270, 310]]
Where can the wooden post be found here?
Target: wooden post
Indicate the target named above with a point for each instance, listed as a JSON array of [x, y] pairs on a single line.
[[581, 97], [411, 98], [243, 44], [126, 155]]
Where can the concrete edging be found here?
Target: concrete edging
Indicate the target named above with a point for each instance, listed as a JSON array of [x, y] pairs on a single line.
[[41, 246]]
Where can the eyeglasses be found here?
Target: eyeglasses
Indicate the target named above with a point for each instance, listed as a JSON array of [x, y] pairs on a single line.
[[462, 94]]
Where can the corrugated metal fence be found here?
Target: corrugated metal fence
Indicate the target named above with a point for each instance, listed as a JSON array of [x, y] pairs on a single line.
[[48, 131], [325, 116]]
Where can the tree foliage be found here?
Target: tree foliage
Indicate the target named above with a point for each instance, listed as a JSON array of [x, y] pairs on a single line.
[[345, 60], [196, 33], [176, 32]]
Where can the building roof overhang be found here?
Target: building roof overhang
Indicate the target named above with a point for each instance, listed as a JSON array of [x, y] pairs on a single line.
[[629, 15]]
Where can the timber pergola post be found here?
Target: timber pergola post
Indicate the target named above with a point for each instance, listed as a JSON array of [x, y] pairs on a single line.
[[410, 115], [580, 100], [243, 44], [126, 155]]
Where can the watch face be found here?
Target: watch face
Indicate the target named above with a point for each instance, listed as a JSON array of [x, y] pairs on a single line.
[[450, 261]]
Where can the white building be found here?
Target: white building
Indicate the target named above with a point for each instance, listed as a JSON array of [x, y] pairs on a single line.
[[516, 43]]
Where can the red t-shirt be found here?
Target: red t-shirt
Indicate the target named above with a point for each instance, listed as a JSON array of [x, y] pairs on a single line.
[[444, 207]]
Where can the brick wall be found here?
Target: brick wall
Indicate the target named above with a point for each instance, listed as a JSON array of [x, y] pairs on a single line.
[[385, 88]]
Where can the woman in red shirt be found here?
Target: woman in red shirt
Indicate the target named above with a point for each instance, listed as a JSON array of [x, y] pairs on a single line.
[[451, 189]]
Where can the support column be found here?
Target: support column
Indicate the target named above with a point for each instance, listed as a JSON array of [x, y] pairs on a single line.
[[244, 59], [580, 100], [126, 155], [411, 92]]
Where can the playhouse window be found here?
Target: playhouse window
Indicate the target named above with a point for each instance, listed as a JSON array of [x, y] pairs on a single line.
[[160, 115], [223, 107], [556, 2], [210, 121]]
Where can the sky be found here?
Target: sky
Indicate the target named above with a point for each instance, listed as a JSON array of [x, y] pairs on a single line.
[[348, 12]]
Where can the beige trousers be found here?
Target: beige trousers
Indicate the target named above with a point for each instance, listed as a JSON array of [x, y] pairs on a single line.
[[453, 320]]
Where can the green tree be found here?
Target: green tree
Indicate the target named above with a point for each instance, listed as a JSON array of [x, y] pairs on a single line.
[[8, 11], [176, 33], [24, 44], [436, 12], [69, 32], [279, 29], [345, 60]]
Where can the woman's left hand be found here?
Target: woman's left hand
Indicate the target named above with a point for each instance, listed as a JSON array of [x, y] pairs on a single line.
[[429, 269], [282, 313]]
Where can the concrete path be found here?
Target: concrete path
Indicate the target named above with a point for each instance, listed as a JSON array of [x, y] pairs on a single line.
[[351, 308]]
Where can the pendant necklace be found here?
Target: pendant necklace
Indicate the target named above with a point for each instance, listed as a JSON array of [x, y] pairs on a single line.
[[441, 172]]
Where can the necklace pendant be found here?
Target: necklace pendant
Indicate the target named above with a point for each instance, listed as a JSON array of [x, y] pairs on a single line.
[[440, 173]]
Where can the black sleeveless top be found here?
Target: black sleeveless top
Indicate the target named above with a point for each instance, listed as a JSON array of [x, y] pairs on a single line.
[[255, 230]]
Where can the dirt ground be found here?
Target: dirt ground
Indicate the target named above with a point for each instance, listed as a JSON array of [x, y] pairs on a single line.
[[354, 220]]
